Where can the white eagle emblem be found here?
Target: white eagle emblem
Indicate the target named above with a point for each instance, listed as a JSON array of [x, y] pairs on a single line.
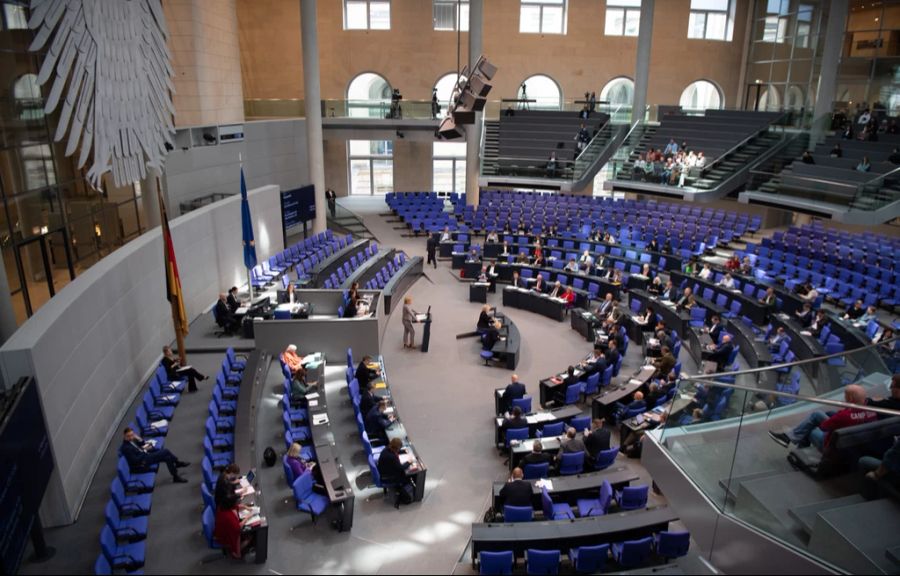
[[111, 59]]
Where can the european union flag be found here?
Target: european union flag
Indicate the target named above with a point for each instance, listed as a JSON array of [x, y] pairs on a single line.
[[247, 226]]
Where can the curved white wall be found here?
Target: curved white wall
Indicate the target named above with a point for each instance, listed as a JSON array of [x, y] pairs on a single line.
[[93, 345]]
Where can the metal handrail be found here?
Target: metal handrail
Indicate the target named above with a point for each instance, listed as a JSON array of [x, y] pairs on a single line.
[[806, 178], [731, 150], [706, 378]]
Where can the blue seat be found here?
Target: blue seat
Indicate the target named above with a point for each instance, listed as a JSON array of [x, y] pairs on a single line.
[[518, 514], [589, 559], [671, 545], [102, 566], [606, 458], [541, 561], [580, 423], [597, 506], [129, 505], [632, 553], [536, 471], [554, 511], [134, 482], [130, 529], [516, 434], [307, 500], [495, 562], [126, 557], [550, 430], [208, 523], [486, 355], [633, 497], [524, 404], [571, 463], [591, 385]]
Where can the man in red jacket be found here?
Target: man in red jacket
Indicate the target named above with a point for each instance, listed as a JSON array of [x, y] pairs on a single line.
[[816, 428]]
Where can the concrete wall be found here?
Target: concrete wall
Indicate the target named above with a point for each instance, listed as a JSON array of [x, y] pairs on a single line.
[[274, 152], [93, 345], [412, 55]]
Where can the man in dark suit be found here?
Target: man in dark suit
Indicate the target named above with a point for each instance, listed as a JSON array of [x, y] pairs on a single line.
[[570, 443], [664, 363], [595, 362], [392, 471], [364, 374], [539, 284], [367, 399], [233, 301], [517, 492], [596, 440], [517, 281], [719, 354], [605, 307], [612, 354], [431, 250], [686, 302], [537, 455], [224, 317], [516, 420], [805, 315], [377, 422], [514, 390], [140, 455]]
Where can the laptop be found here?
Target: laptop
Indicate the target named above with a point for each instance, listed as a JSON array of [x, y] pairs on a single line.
[[251, 475]]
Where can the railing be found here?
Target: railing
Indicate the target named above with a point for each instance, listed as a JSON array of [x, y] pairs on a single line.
[[717, 433], [870, 193]]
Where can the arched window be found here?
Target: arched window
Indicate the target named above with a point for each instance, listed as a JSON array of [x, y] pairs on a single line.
[[368, 96], [794, 98], [27, 96], [701, 95], [544, 90], [618, 92], [444, 87], [770, 99]]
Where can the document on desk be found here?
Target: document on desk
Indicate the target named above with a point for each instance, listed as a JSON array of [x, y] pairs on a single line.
[[159, 424], [319, 419], [407, 458], [241, 311], [421, 317], [635, 381], [545, 483], [249, 512], [312, 396]]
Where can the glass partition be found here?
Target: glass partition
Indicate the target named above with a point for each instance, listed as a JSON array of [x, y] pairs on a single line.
[[751, 442]]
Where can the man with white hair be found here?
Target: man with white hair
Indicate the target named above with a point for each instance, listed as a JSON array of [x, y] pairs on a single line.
[[816, 428]]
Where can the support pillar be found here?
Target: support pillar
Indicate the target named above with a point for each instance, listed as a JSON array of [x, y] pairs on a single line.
[[642, 66], [473, 132], [831, 57], [313, 101]]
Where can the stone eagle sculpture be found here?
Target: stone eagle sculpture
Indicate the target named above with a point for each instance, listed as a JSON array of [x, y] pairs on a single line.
[[112, 80]]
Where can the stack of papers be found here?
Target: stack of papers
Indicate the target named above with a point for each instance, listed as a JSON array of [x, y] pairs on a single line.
[[545, 483], [159, 424], [312, 396], [635, 381], [318, 419], [407, 458]]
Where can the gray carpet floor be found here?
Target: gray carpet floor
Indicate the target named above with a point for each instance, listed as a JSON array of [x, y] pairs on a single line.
[[445, 400]]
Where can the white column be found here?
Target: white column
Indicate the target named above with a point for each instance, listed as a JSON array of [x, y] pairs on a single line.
[[831, 56], [7, 314], [473, 133], [642, 67], [313, 98]]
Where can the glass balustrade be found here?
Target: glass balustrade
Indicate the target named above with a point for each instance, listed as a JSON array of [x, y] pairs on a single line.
[[717, 429]]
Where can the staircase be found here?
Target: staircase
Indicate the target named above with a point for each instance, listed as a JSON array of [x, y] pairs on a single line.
[[733, 162], [344, 222], [491, 148]]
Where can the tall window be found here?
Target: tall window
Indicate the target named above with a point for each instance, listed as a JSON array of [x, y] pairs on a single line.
[[544, 90], [27, 94], [14, 17], [449, 174], [711, 20], [618, 92], [804, 26], [367, 15], [371, 166], [776, 24], [542, 17], [368, 96], [701, 95], [623, 17], [450, 15], [444, 87]]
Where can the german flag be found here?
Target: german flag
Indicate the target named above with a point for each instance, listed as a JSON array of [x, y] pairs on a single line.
[[173, 282]]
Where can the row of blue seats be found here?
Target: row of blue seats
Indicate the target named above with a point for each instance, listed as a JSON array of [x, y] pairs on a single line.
[[123, 537], [387, 272], [338, 277], [305, 255], [628, 555], [218, 440], [372, 448]]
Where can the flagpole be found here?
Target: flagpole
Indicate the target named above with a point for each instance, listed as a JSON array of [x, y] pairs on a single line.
[[179, 333], [249, 278]]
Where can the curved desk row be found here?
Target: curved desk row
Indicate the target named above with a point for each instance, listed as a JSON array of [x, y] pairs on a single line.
[[823, 376], [337, 486], [326, 267], [369, 268], [537, 302], [536, 420], [569, 489], [246, 424], [505, 273], [506, 350], [400, 282], [674, 319], [751, 307], [564, 535]]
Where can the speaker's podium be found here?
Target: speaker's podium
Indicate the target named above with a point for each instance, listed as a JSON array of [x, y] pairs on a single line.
[[426, 333]]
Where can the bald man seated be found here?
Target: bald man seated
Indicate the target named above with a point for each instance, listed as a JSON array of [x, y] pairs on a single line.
[[224, 316], [816, 428]]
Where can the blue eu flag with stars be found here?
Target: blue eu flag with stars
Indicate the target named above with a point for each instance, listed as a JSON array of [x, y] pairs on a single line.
[[247, 226]]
